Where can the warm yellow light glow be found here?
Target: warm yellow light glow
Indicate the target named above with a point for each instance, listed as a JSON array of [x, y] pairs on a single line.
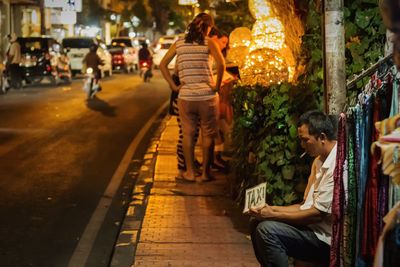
[[187, 2], [265, 67], [239, 41], [265, 64], [259, 8], [240, 37], [267, 33], [262, 54]]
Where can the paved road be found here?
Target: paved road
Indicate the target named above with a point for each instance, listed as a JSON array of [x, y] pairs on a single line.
[[57, 156]]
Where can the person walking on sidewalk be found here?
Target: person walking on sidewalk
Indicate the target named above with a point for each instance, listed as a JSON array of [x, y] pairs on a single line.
[[302, 231], [13, 60], [197, 92]]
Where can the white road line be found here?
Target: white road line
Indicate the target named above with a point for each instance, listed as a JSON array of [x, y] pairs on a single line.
[[88, 237]]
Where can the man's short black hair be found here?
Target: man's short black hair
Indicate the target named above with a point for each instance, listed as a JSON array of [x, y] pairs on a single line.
[[318, 122]]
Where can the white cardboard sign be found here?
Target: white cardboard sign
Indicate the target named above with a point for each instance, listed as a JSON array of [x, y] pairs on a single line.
[[255, 197]]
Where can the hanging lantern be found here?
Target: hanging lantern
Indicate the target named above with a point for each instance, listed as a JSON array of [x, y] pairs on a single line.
[[187, 2], [265, 67], [239, 41], [264, 63], [267, 33], [259, 9]]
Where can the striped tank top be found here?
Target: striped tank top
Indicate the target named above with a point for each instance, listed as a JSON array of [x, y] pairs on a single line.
[[194, 68]]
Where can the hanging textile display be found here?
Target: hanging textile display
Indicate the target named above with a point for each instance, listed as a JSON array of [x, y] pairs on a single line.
[[338, 204], [364, 181]]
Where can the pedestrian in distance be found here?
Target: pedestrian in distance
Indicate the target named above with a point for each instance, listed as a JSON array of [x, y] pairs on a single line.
[[197, 91], [302, 231], [13, 60]]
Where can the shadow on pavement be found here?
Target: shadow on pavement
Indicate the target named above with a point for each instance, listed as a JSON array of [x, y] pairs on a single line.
[[101, 106]]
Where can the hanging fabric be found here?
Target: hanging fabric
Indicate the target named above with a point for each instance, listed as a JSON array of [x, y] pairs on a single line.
[[338, 205]]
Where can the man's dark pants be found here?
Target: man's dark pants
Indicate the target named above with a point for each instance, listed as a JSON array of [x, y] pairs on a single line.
[[15, 76], [274, 242]]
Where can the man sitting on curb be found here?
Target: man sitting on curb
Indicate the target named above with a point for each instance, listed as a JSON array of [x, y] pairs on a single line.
[[302, 231]]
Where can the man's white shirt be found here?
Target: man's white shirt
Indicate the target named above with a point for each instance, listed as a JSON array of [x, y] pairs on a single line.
[[320, 196]]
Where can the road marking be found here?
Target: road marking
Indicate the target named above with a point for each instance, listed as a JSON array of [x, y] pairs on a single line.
[[23, 130], [88, 237]]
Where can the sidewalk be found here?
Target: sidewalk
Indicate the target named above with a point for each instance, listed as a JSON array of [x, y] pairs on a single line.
[[175, 224]]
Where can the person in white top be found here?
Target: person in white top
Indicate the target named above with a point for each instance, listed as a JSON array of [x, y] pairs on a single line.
[[302, 231], [13, 61]]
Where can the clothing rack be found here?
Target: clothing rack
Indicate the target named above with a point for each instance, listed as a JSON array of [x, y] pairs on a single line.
[[368, 71]]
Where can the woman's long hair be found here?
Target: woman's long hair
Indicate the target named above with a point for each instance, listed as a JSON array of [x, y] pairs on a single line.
[[197, 29]]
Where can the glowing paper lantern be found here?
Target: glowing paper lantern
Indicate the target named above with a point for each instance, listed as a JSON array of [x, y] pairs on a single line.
[[267, 33], [240, 37], [264, 64], [265, 67], [239, 41], [187, 2], [259, 8]]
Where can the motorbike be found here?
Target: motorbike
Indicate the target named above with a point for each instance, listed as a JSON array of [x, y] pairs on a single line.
[[91, 85], [145, 69]]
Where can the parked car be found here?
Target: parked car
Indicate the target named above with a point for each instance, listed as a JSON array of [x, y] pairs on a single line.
[[123, 53], [78, 47], [43, 57], [132, 45], [122, 58], [161, 48]]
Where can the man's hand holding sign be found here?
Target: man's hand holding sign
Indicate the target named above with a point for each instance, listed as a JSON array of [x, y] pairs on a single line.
[[255, 198]]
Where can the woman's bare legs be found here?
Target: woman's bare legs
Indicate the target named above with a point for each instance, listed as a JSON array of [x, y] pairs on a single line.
[[188, 151]]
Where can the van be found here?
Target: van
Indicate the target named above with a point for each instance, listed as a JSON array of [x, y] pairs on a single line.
[[78, 47], [161, 48]]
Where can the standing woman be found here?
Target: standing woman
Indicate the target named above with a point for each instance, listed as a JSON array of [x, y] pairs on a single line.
[[197, 92]]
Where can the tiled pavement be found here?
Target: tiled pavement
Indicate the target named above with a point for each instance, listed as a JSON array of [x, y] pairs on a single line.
[[183, 224]]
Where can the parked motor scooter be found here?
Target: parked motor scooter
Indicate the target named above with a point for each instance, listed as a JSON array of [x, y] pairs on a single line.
[[145, 69], [91, 85]]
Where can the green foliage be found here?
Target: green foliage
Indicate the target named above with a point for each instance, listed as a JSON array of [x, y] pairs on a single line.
[[264, 132], [365, 37], [312, 53], [265, 139]]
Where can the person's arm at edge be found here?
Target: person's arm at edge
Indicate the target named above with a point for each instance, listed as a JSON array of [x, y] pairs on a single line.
[[219, 60], [164, 67]]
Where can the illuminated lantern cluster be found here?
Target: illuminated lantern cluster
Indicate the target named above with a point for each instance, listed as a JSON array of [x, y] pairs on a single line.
[[263, 61], [265, 67], [239, 42]]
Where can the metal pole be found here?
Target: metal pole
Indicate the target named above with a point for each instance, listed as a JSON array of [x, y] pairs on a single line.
[[334, 71]]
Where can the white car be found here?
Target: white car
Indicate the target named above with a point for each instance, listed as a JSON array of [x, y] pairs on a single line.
[[78, 47], [162, 46]]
